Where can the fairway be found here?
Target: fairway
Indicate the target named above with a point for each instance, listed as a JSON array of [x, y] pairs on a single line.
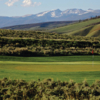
[[61, 68], [58, 68], [63, 72], [51, 66], [51, 63]]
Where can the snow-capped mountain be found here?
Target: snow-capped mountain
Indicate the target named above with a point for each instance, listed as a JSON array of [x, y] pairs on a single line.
[[51, 15], [73, 11], [59, 13]]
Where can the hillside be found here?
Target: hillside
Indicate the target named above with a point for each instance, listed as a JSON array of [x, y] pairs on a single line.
[[39, 26], [89, 27], [35, 43], [91, 31]]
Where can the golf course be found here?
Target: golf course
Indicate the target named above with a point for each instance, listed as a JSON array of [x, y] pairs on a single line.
[[61, 68], [38, 65]]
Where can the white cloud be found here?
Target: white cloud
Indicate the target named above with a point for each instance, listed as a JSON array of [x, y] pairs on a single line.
[[30, 3], [11, 2], [25, 3]]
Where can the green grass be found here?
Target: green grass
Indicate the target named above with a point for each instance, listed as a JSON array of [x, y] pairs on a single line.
[[78, 74], [74, 27], [63, 76], [51, 59], [81, 32], [89, 31], [51, 63], [10, 68]]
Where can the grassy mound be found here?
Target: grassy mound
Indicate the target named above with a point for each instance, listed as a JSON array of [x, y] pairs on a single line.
[[90, 31], [79, 28]]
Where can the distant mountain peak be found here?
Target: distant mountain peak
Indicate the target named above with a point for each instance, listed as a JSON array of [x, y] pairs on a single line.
[[50, 15], [73, 11], [55, 10], [90, 9]]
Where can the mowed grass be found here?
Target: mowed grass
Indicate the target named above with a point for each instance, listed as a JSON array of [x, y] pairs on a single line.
[[90, 76], [62, 68], [58, 68], [63, 72], [51, 59]]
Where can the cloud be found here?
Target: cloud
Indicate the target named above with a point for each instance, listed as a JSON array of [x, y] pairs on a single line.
[[26, 3], [11, 2], [30, 3]]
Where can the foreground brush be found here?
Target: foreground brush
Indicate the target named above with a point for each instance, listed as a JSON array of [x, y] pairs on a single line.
[[48, 90]]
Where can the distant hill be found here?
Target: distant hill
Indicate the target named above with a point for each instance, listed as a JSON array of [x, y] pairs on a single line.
[[40, 26], [49, 16], [93, 30], [89, 27]]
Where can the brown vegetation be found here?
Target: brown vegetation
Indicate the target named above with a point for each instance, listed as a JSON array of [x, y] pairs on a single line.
[[31, 43], [48, 90]]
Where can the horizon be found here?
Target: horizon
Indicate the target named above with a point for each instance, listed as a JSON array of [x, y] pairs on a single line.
[[49, 10], [12, 8]]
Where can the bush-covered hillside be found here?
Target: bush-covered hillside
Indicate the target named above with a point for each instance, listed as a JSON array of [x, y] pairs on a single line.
[[32, 43]]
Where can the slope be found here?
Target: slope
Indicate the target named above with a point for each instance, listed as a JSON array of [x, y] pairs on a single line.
[[39, 26], [79, 28], [90, 31]]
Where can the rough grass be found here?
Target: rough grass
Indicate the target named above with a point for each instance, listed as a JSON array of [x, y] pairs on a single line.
[[81, 32], [51, 59], [90, 76], [94, 30], [87, 31]]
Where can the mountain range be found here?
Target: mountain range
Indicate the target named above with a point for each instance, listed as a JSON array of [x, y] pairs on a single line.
[[49, 16]]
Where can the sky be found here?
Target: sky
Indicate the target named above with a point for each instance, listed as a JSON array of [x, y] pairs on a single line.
[[24, 7]]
